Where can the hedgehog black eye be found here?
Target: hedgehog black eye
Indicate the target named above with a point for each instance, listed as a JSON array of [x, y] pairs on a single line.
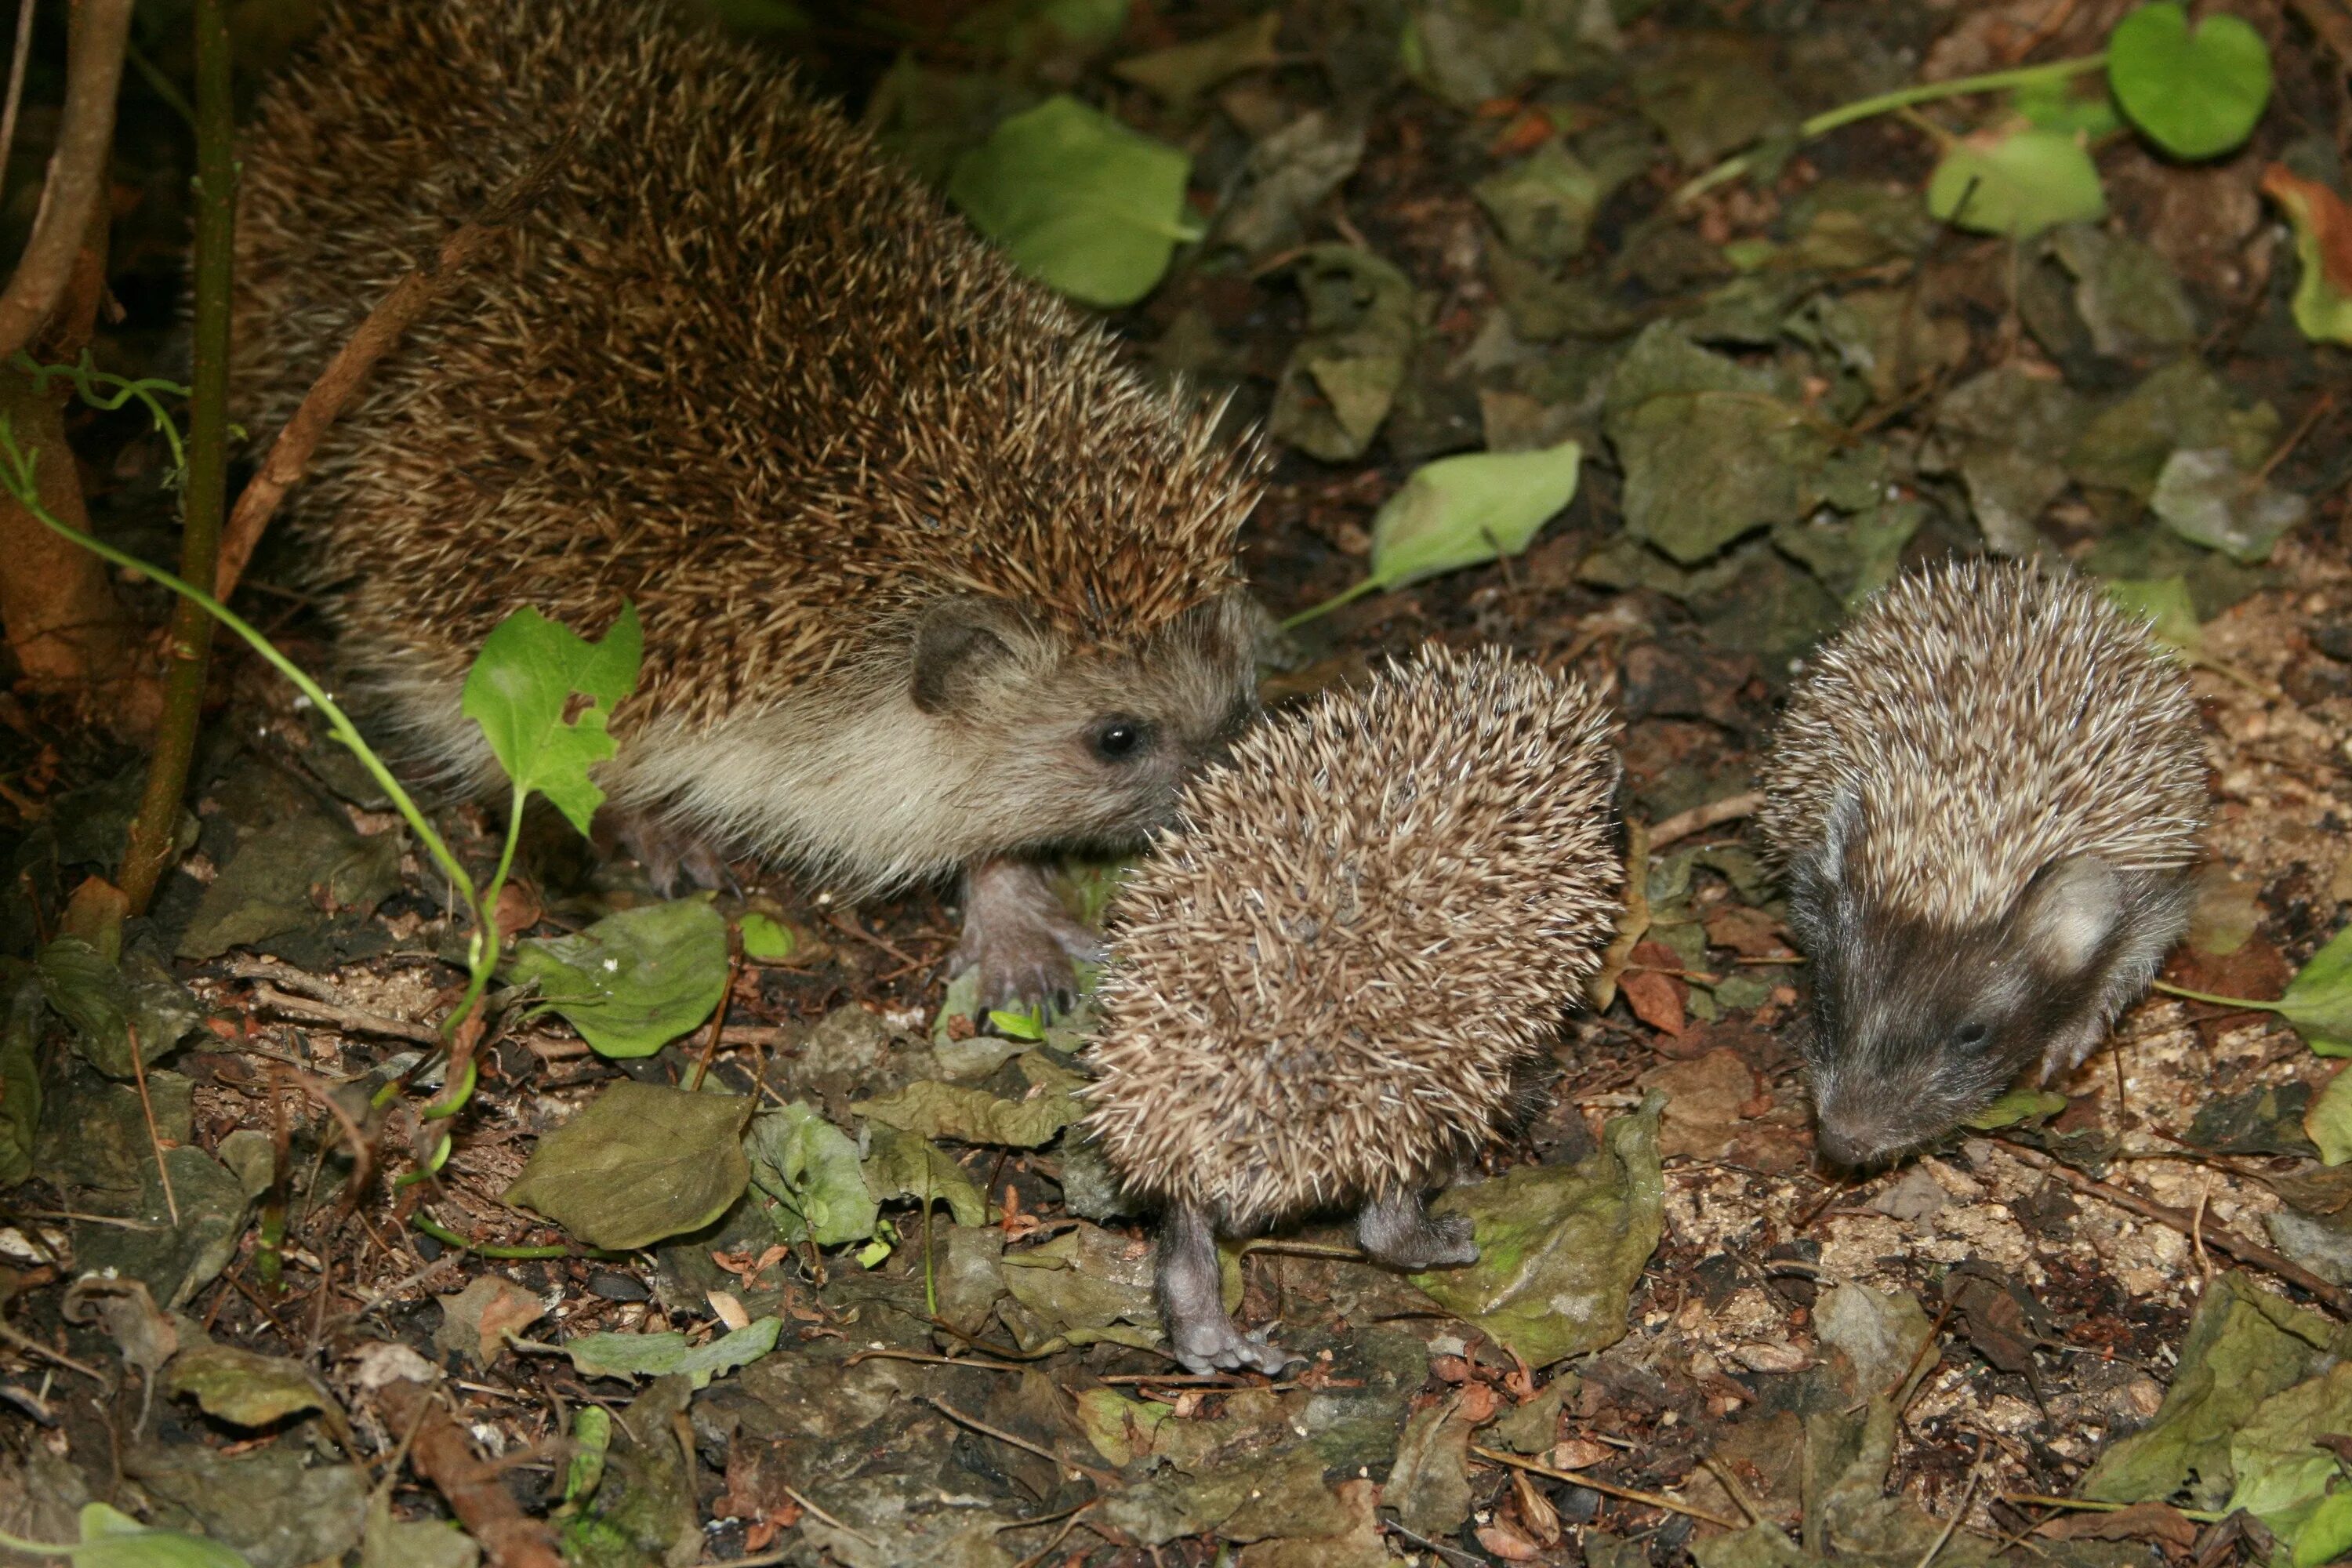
[[1970, 1035], [1120, 739]]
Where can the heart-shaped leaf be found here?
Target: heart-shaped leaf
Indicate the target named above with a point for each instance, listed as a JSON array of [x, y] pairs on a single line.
[[1080, 203], [639, 1162], [632, 982], [521, 688], [2016, 181], [2196, 94]]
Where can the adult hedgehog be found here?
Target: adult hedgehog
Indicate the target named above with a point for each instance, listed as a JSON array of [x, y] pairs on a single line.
[[928, 581], [1987, 791], [1323, 986]]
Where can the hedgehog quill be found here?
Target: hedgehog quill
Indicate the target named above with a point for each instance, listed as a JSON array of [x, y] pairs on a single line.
[[930, 581], [1324, 982], [1987, 792]]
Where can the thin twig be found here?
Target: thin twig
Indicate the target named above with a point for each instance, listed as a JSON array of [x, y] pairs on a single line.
[[1733, 1489], [1700, 819], [719, 1015], [76, 178], [385, 326], [1967, 1496], [1100, 1477], [154, 1135], [828, 1518], [350, 1020], [16, 81], [2334, 1297], [32, 1346], [1607, 1488]]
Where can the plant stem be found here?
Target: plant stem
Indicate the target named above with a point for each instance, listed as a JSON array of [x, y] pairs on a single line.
[[19, 480], [1347, 597], [1830, 119], [152, 847], [448, 1238], [2186, 995]]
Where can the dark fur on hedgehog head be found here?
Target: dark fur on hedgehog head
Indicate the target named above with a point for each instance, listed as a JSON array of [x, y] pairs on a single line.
[[1986, 792]]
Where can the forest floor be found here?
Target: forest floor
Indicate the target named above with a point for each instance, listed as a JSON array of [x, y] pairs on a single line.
[[1469, 243]]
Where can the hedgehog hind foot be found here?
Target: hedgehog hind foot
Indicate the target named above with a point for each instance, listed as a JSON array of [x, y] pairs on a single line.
[[1017, 934], [667, 851], [1192, 1306], [1397, 1229]]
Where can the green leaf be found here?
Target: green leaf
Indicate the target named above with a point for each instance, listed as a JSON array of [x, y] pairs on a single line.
[[242, 1388], [632, 982], [2327, 1120], [592, 1438], [809, 1169], [1079, 202], [2016, 181], [662, 1355], [2318, 1002], [2196, 94], [2322, 254], [764, 941], [524, 679], [2165, 602], [2054, 105], [905, 1166], [2202, 497], [1462, 511], [1559, 1248], [110, 1004], [637, 1163], [1019, 1023], [2018, 1105], [114, 1540], [2282, 1472], [2327, 1534], [1183, 72], [934, 1109]]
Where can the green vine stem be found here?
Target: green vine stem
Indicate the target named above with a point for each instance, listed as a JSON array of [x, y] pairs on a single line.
[[448, 1238], [2187, 996], [151, 845], [1830, 119]]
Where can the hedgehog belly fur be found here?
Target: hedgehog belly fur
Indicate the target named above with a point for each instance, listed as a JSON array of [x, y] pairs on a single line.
[[1322, 983]]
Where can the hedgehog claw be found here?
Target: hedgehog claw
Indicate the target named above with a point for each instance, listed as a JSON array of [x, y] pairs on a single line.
[[1397, 1230], [664, 851], [1017, 934]]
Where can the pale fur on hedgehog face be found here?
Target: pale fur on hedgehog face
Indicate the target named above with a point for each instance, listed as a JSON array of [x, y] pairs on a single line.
[[985, 735], [1322, 981], [1987, 790]]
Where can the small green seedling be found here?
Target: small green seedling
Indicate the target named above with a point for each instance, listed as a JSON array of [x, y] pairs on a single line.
[[2318, 1001], [113, 1540]]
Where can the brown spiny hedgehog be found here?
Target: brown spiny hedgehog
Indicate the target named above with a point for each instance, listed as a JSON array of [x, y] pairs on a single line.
[[1986, 792], [928, 579], [1322, 982]]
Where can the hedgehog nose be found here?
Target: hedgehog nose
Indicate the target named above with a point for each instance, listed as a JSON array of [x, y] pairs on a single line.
[[1842, 1147]]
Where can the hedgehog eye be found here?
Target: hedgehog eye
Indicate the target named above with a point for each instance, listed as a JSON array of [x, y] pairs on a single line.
[[1119, 738], [1970, 1035]]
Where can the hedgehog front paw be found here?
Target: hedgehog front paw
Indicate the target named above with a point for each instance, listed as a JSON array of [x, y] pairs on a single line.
[[1215, 1344], [1019, 937]]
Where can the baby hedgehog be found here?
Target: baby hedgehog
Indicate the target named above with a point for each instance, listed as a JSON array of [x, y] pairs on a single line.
[[929, 580], [1986, 792], [1322, 982]]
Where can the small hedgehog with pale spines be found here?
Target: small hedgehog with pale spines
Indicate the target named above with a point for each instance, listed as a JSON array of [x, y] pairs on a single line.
[[1986, 792], [929, 580], [1326, 979]]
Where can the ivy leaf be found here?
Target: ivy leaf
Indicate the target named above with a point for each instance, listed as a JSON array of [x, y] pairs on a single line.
[[2018, 1105], [2165, 604], [521, 684], [2016, 181], [1079, 202], [2323, 253], [632, 982], [2196, 94], [113, 1540], [1180, 73]]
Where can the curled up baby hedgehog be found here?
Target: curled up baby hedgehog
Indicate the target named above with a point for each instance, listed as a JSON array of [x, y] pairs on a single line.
[[929, 580], [1322, 982], [1987, 791]]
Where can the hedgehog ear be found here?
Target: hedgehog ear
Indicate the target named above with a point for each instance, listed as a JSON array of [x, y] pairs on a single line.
[[959, 639], [2069, 910]]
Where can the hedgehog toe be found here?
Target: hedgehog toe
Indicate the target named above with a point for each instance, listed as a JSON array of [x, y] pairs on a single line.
[[1216, 1345], [1019, 937], [1395, 1229]]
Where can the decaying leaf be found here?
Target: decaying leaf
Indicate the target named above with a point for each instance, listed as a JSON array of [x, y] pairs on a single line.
[[2323, 249], [634, 981], [668, 1355], [637, 1163], [476, 1322]]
